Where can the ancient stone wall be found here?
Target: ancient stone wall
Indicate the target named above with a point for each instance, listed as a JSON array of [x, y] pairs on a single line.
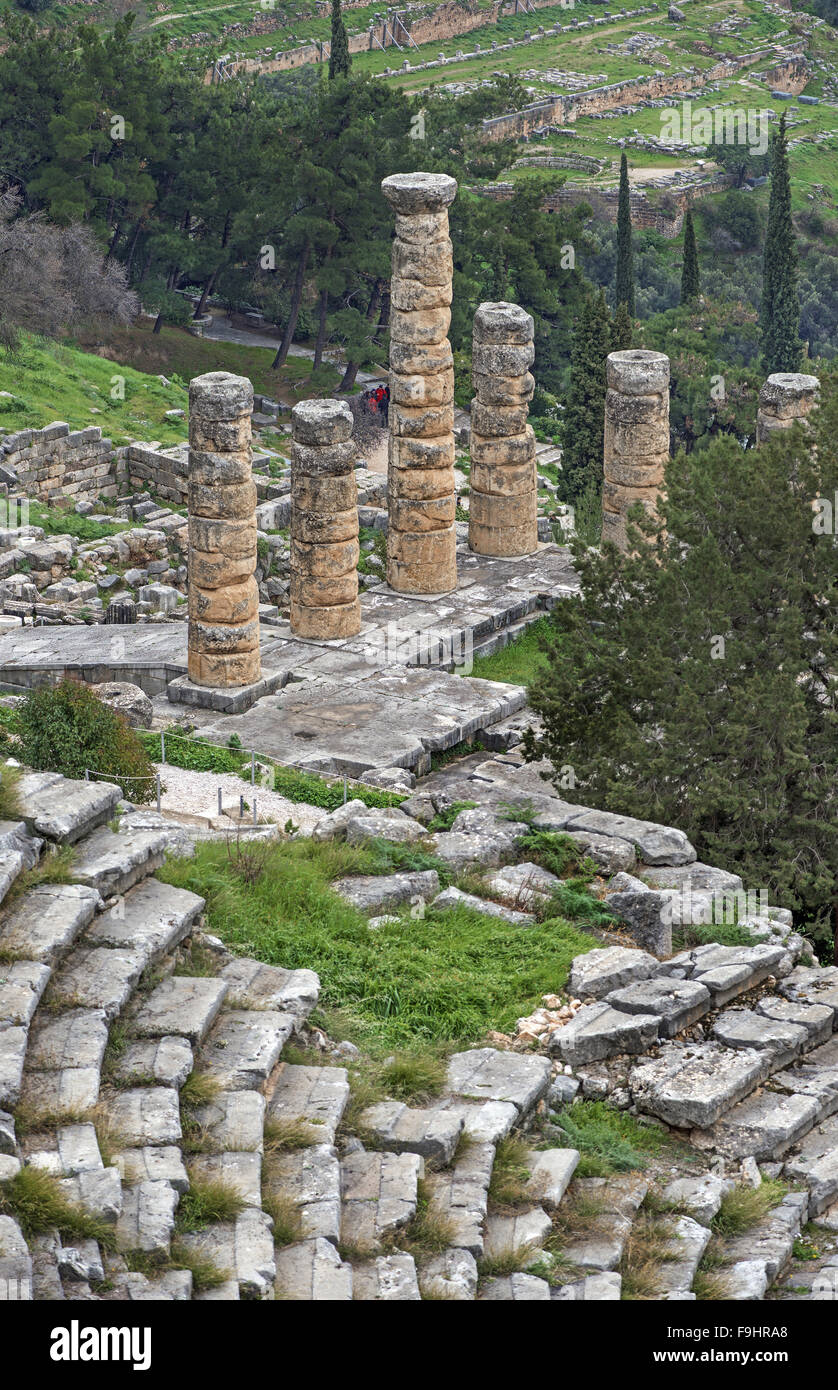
[[223, 593], [667, 218], [59, 462], [503, 514], [324, 522], [784, 398], [636, 445], [421, 540]]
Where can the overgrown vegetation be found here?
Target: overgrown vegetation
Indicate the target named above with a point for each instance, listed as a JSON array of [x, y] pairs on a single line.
[[35, 1200], [66, 729], [446, 977], [609, 1140]]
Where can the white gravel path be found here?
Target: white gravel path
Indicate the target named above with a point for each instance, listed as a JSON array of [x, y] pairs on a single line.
[[196, 794]]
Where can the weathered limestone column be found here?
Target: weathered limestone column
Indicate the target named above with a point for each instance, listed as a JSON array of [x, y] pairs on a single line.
[[324, 522], [503, 514], [784, 398], [223, 593], [421, 541], [636, 436]]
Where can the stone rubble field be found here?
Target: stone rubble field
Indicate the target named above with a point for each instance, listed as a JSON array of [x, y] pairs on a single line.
[[129, 1082]]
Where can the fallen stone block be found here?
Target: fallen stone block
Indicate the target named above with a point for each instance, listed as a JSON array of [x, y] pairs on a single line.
[[597, 1031], [600, 971]]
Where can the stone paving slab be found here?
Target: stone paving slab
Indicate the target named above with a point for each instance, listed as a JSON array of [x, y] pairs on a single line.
[[816, 1163], [691, 1087], [21, 985], [596, 1288], [600, 972], [113, 862], [240, 1171], [75, 1038], [460, 1195], [166, 1060], [73, 1089], [432, 1133], [153, 918], [515, 1288], [310, 1178], [484, 1121], [252, 985], [811, 985], [98, 1191], [451, 1276], [147, 1115], [525, 1230], [46, 920], [12, 1058], [373, 893], [316, 1096], [688, 1240], [98, 978], [244, 1047], [379, 1195], [598, 1031], [486, 1074], [234, 1120], [675, 1003], [550, 1173], [817, 1019], [313, 1272], [183, 1006], [739, 1028], [147, 1218], [154, 1163], [389, 1279], [63, 809], [244, 1248]]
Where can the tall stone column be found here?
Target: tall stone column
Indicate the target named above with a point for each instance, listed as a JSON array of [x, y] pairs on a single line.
[[636, 436], [223, 593], [324, 522], [421, 541], [784, 398], [503, 516]]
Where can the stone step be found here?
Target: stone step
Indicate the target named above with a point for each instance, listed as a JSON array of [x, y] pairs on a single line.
[[687, 1242], [47, 919], [166, 1060], [524, 1231], [243, 1248], [310, 1179], [771, 1241], [147, 1219], [315, 1096], [98, 977], [152, 918], [388, 1279], [253, 985], [65, 1151], [312, 1272], [183, 1006], [601, 1246], [433, 1134], [233, 1120], [64, 810], [244, 1047], [815, 1162], [515, 1288], [148, 1115], [114, 861], [19, 851], [451, 1276], [235, 1169], [378, 1196], [595, 1288], [459, 1195], [15, 1262], [690, 1087], [484, 1073]]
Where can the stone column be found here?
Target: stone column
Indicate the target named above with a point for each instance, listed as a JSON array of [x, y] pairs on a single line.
[[324, 522], [503, 517], [223, 593], [784, 398], [421, 541], [636, 436]]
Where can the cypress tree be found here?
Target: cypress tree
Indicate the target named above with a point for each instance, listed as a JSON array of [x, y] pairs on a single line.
[[690, 281], [583, 422], [622, 333], [625, 257], [782, 349], [339, 59]]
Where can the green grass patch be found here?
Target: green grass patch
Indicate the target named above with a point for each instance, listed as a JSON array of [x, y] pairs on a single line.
[[37, 1203], [445, 978], [609, 1141], [9, 800], [519, 662], [742, 1208], [206, 1203]]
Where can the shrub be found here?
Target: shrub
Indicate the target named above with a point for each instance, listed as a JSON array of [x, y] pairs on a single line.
[[66, 729]]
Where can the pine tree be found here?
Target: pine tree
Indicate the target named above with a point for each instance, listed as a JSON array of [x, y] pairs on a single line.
[[625, 256], [583, 422], [339, 59], [622, 333], [782, 349], [691, 683], [690, 280]]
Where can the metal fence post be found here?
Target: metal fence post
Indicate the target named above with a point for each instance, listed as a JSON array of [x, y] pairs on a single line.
[[158, 791], [162, 747], [252, 768], [219, 801]]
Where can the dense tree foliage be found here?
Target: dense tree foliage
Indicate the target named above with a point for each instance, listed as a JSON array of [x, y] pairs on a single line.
[[780, 309], [694, 681]]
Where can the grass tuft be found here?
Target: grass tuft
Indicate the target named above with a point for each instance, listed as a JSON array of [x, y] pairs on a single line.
[[510, 1172], [35, 1200], [609, 1140], [742, 1208], [9, 796], [208, 1201]]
